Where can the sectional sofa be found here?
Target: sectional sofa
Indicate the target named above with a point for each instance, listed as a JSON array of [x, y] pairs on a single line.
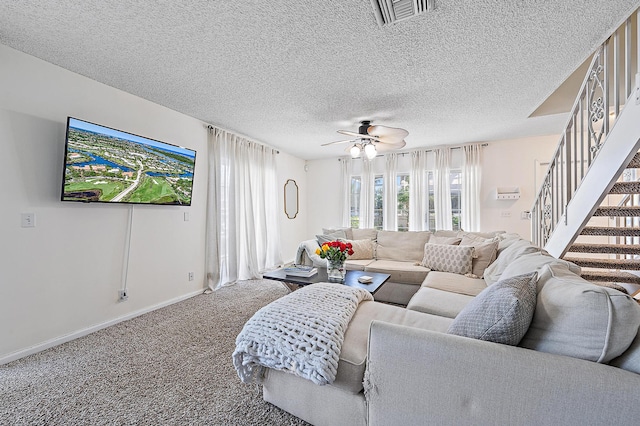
[[525, 342], [399, 254]]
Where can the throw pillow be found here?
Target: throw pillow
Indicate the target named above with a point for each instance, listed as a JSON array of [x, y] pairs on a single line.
[[484, 255], [501, 313], [515, 249], [333, 236], [362, 249], [448, 258], [347, 231], [578, 319], [454, 241]]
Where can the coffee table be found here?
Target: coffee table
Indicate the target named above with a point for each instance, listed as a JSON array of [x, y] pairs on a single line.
[[351, 279]]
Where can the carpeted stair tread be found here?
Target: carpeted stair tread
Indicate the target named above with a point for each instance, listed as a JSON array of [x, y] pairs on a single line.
[[635, 162], [611, 231], [608, 276], [625, 188], [605, 248], [624, 264], [618, 211]]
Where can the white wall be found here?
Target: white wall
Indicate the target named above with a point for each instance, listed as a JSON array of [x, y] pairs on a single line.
[[292, 231], [517, 162], [323, 202], [61, 278], [504, 163]]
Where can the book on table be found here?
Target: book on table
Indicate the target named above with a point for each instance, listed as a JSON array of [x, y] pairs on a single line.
[[301, 271]]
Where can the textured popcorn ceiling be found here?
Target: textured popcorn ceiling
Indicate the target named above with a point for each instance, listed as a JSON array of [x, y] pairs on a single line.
[[291, 73]]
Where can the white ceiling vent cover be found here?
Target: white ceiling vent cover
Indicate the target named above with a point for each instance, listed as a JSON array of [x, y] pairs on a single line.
[[391, 11]]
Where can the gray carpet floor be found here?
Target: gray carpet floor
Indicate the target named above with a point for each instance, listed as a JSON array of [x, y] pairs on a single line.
[[171, 366]]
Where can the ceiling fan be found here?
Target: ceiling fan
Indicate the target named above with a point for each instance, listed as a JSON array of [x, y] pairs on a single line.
[[373, 139]]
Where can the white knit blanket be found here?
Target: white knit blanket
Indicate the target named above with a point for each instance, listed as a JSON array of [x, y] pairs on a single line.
[[301, 333]]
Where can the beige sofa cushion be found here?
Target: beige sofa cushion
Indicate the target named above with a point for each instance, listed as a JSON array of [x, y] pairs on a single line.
[[438, 302], [364, 234], [454, 283], [357, 265], [485, 251], [535, 262], [505, 257], [576, 318], [353, 355], [402, 246], [446, 233], [434, 239], [401, 272], [487, 235], [630, 359]]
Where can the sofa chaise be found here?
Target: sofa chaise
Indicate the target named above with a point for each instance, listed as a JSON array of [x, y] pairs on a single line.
[[458, 354]]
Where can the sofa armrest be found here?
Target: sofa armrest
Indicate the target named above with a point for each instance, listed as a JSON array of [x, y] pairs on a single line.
[[306, 254], [423, 377]]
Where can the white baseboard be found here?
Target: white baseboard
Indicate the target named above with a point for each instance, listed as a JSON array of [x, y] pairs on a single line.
[[80, 333]]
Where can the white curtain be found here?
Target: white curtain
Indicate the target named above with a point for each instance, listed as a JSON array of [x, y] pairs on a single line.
[[345, 172], [441, 190], [471, 176], [390, 199], [366, 195], [418, 195], [242, 226]]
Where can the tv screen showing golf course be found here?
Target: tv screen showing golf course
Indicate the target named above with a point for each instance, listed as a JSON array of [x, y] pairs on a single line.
[[111, 166]]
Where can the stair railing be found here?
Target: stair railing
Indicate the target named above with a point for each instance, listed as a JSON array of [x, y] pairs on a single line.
[[608, 83]]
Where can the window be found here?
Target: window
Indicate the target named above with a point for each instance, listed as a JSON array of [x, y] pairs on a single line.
[[354, 202], [402, 182], [455, 187], [378, 194], [431, 211]]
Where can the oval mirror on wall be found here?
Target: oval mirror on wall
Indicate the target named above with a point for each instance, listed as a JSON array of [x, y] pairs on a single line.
[[291, 199]]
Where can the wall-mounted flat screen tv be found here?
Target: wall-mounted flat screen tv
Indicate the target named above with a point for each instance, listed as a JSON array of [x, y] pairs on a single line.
[[105, 165]]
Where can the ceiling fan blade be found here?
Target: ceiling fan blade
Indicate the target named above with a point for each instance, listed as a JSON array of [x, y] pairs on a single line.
[[388, 134], [333, 143], [385, 147], [358, 135]]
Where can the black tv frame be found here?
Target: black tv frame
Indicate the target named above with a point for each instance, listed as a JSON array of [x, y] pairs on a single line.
[[88, 197]]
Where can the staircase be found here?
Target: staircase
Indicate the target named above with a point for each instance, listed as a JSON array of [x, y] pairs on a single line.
[[611, 247], [587, 210]]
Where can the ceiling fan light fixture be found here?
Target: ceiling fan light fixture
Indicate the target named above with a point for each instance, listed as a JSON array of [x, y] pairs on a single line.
[[355, 151], [370, 151]]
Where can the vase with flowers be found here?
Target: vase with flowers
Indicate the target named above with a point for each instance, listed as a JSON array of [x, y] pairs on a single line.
[[336, 253]]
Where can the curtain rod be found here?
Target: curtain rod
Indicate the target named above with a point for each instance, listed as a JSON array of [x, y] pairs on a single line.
[[212, 127], [416, 150]]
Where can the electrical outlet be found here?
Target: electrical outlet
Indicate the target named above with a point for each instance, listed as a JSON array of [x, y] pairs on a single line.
[[28, 220], [190, 276], [505, 213], [638, 88], [122, 294]]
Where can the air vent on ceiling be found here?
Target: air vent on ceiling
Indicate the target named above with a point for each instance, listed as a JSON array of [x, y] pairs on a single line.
[[391, 11]]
